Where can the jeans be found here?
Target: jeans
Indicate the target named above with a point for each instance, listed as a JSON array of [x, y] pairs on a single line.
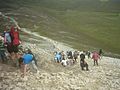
[[96, 62], [2, 56], [83, 64], [34, 66]]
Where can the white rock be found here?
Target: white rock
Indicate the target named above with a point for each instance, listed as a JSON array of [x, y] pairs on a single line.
[[17, 88], [2, 75]]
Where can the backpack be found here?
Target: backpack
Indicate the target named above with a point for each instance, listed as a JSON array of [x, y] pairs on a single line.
[[7, 38], [15, 36]]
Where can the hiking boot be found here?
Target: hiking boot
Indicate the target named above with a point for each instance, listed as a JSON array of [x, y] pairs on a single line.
[[87, 70], [38, 72]]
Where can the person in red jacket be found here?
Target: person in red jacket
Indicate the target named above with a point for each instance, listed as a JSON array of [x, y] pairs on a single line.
[[95, 57], [15, 41]]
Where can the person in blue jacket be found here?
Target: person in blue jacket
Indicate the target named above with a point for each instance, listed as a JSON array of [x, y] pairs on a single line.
[[58, 57], [26, 59]]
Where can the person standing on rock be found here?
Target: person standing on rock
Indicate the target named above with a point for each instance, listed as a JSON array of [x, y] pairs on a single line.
[[26, 60], [95, 58], [83, 63]]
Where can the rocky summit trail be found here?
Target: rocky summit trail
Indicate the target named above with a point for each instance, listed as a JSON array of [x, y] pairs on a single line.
[[53, 76]]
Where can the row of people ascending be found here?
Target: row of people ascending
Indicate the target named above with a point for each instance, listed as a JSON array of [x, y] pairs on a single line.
[[59, 56], [70, 58]]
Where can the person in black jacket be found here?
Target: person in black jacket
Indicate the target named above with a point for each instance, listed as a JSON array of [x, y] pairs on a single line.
[[82, 62]]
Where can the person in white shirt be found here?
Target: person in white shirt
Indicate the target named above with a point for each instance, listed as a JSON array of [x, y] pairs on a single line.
[[64, 63]]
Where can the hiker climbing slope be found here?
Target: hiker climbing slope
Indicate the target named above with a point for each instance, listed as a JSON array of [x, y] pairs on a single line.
[[95, 58], [26, 60], [83, 63]]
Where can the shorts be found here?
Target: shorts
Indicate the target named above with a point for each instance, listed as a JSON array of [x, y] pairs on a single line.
[[10, 48], [15, 49]]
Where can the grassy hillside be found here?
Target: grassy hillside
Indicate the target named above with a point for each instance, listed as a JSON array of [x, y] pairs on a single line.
[[83, 24]]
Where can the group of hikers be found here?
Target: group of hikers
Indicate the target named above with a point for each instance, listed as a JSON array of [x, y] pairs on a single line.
[[11, 50], [70, 58]]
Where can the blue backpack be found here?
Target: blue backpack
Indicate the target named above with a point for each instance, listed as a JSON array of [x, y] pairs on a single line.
[[7, 38]]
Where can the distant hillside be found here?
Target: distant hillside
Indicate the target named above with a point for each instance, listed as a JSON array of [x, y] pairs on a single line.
[[97, 5], [83, 24]]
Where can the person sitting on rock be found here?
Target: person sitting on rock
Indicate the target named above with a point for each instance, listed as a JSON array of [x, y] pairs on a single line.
[[27, 59], [82, 62]]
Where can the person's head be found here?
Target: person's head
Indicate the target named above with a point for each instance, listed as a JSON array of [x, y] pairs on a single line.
[[16, 29], [20, 55], [27, 50]]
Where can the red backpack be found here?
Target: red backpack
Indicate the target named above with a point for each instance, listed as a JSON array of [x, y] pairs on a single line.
[[15, 36]]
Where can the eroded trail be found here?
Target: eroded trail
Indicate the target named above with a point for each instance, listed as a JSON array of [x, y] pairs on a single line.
[[54, 76]]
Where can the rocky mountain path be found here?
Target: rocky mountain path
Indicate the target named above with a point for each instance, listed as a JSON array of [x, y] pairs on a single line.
[[53, 76], [106, 76]]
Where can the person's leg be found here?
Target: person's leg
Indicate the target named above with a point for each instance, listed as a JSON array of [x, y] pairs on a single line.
[[75, 58], [0, 57], [16, 55], [34, 66], [12, 55], [24, 70], [97, 62], [94, 62], [11, 51], [3, 56], [16, 50], [35, 60], [20, 60], [86, 65], [82, 65]]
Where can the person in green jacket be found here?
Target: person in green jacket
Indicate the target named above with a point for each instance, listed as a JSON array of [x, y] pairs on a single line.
[[2, 50]]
